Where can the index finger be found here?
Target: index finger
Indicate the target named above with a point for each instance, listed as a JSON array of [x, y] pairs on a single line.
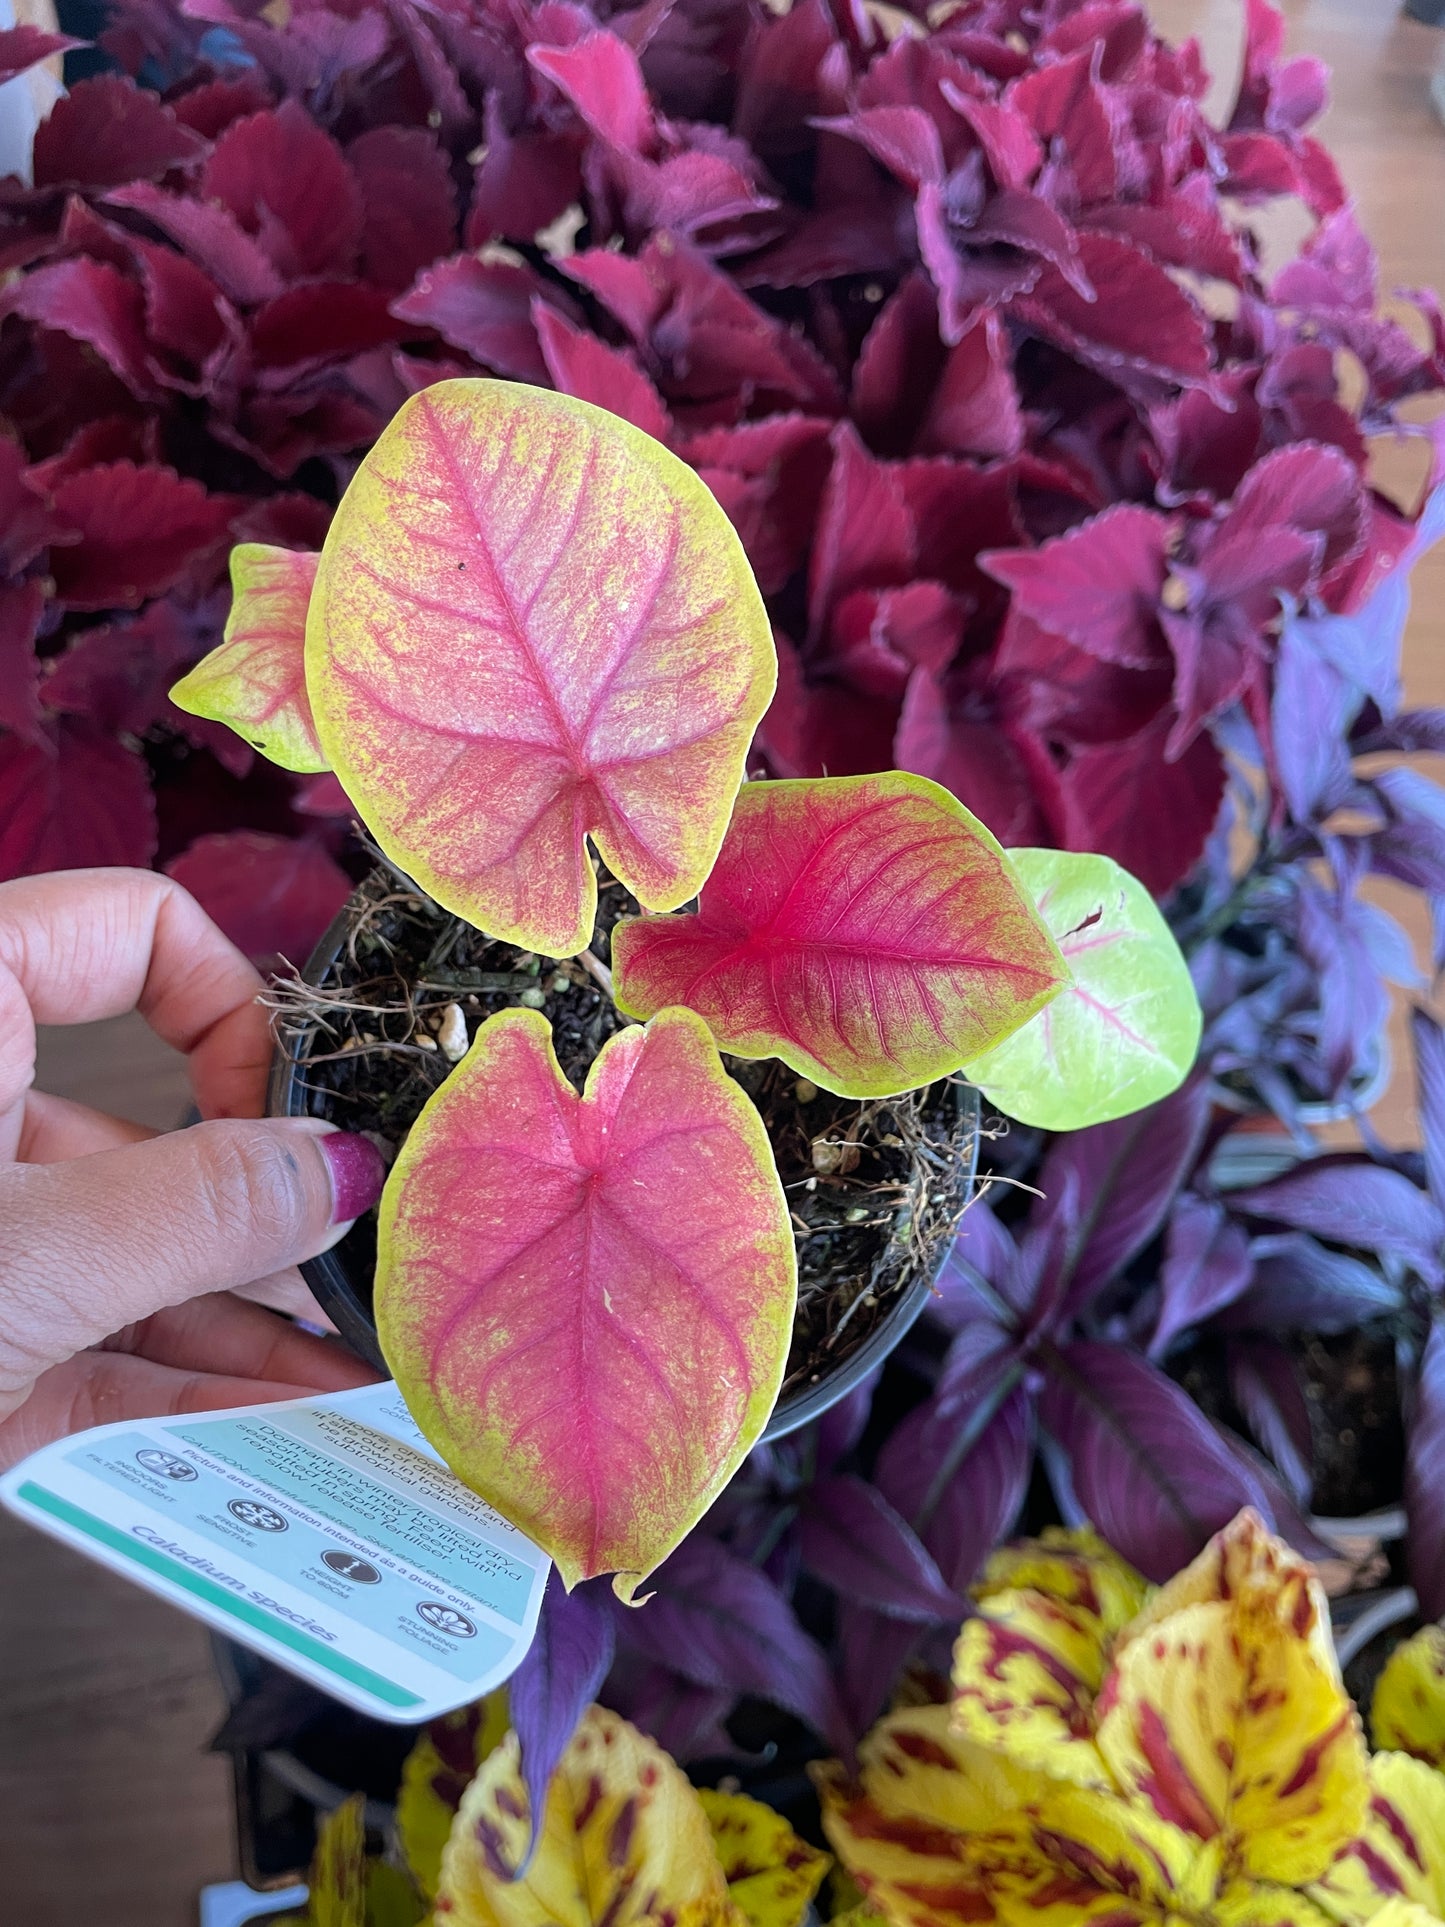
[[84, 944]]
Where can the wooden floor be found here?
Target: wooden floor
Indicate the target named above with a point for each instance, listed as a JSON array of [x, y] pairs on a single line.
[[110, 1814]]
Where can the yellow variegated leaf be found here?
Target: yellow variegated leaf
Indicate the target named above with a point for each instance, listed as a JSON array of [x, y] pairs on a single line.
[[1098, 1859], [1399, 1852], [772, 1875], [623, 1840], [1246, 1563], [1249, 1903], [338, 1870], [1404, 1913], [942, 1830], [930, 1808], [392, 1899], [1225, 1719], [1074, 1567], [914, 1872], [916, 1763], [1025, 1672], [436, 1776], [1407, 1713]]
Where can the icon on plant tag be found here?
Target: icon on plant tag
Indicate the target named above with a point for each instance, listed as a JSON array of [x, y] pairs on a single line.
[[259, 1516], [167, 1465], [446, 1619]]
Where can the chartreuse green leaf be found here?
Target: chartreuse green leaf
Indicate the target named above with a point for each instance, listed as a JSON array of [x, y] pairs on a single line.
[[533, 625], [255, 682], [587, 1301], [1125, 1032]]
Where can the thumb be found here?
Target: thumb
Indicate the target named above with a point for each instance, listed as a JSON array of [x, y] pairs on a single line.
[[90, 1246]]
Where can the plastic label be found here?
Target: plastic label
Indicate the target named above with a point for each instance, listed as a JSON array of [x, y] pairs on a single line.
[[324, 1532]]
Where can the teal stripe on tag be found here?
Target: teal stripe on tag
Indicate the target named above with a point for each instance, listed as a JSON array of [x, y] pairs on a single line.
[[313, 1649]]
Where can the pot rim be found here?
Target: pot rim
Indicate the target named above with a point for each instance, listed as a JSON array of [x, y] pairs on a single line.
[[330, 1283]]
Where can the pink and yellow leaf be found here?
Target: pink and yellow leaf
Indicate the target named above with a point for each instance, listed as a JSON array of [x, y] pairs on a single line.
[[868, 930], [533, 625], [587, 1301], [255, 682], [1125, 1031]]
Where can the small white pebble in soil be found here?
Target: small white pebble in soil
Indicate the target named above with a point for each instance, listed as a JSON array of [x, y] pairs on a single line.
[[452, 1034], [421, 1038]]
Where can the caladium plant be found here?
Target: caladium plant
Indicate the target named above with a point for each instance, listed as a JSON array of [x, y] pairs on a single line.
[[532, 627]]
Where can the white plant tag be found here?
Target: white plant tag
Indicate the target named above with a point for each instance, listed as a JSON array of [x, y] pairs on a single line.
[[324, 1532]]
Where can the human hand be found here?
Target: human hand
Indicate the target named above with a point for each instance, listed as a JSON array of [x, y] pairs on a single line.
[[122, 1249]]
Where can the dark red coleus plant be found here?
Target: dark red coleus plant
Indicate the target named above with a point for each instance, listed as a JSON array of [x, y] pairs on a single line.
[[922, 307]]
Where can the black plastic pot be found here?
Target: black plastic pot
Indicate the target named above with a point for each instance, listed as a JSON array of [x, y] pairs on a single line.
[[346, 1298]]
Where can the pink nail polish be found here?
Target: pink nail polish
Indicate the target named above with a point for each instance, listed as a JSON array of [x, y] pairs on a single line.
[[357, 1174]]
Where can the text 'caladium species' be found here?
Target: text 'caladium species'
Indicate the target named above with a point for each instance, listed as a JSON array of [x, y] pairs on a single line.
[[866, 930], [1198, 1760], [588, 1301]]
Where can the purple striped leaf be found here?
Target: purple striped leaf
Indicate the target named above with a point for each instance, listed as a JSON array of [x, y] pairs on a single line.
[[1207, 1265], [1425, 1478], [722, 1624], [853, 1539], [1148, 1469], [558, 1680], [1301, 1285], [1353, 1203]]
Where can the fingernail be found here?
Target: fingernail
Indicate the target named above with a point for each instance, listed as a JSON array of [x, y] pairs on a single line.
[[357, 1174]]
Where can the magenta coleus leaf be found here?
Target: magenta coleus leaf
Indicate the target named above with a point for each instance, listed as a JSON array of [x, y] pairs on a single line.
[[74, 800], [533, 625], [867, 930], [587, 1301], [22, 47], [272, 895], [256, 680]]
